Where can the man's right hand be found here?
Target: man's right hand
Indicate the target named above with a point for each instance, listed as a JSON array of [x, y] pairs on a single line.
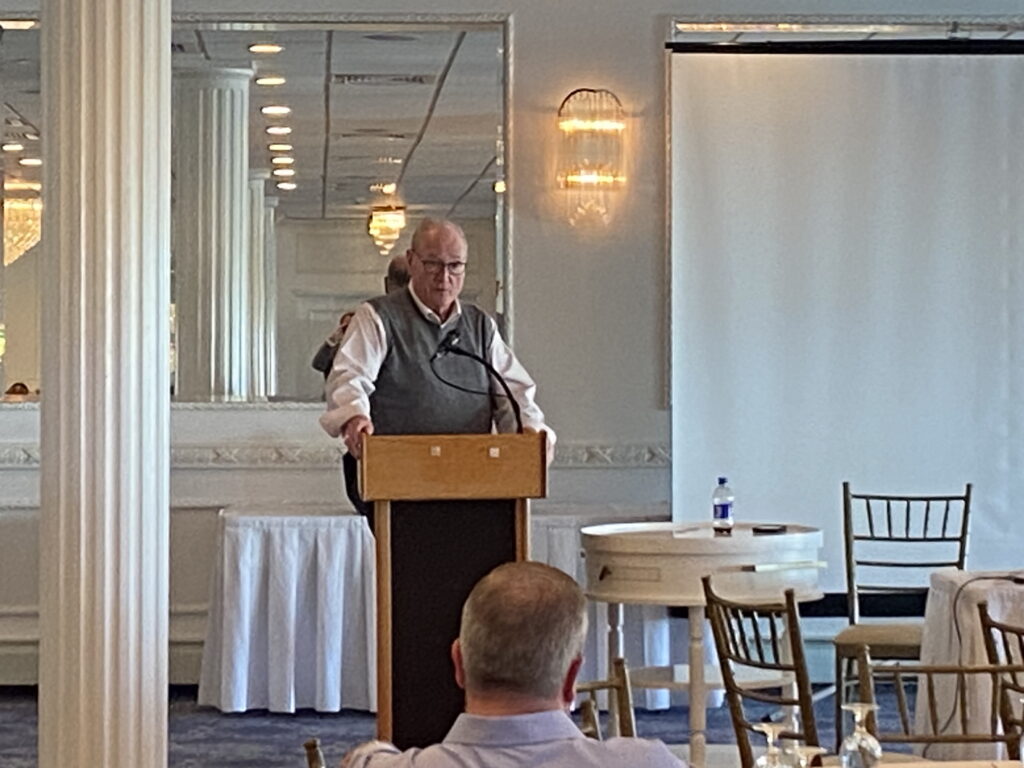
[[352, 434]]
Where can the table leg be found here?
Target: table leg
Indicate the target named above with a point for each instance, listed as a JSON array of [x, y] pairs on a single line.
[[698, 691], [615, 644]]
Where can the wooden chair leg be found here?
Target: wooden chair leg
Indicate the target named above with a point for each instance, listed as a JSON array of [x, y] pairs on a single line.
[[840, 698]]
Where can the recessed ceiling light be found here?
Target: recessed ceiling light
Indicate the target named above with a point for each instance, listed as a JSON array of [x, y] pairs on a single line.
[[390, 160], [12, 146], [287, 186], [30, 161], [284, 171], [265, 48], [499, 186], [279, 130], [276, 110], [384, 187], [17, 24], [282, 160], [279, 147], [271, 80], [32, 136]]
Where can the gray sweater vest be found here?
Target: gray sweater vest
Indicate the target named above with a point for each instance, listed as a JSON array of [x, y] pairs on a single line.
[[408, 398]]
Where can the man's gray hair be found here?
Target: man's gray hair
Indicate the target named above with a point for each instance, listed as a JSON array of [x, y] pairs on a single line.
[[430, 228], [522, 625]]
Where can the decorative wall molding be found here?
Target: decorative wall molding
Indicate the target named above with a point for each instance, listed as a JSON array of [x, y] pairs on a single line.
[[19, 456], [317, 455]]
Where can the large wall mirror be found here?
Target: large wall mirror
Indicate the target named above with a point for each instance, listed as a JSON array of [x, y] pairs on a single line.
[[303, 156]]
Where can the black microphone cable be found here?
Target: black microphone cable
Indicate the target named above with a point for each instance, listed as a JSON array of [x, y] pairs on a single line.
[[450, 346]]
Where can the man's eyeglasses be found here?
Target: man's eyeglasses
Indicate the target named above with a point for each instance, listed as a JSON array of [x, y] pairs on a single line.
[[435, 267]]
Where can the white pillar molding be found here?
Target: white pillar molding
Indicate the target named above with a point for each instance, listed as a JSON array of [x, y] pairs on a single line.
[[210, 232], [257, 284], [105, 413], [270, 290]]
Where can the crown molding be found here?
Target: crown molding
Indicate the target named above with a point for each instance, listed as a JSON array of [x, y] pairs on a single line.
[[316, 455]]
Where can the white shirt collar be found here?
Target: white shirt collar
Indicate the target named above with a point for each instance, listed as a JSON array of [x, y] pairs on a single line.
[[432, 316]]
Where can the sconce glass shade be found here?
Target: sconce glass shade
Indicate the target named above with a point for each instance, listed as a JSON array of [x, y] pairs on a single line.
[[22, 226], [385, 225], [590, 163]]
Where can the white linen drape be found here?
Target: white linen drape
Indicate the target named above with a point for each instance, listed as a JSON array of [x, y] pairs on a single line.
[[847, 286]]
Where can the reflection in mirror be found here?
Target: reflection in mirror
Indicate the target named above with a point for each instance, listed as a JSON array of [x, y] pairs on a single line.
[[22, 210], [282, 153], [280, 156]]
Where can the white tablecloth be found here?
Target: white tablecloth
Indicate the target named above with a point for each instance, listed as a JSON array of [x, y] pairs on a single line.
[[291, 618], [953, 604]]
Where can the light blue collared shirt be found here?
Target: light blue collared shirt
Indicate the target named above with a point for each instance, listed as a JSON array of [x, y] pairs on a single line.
[[538, 740]]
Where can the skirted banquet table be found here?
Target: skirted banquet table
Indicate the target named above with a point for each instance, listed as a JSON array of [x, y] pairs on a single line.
[[952, 635], [291, 621], [291, 617]]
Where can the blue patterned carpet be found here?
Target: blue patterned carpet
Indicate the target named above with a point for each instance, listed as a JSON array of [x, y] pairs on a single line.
[[204, 737]]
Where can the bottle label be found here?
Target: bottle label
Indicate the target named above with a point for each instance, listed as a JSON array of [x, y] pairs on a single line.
[[723, 511]]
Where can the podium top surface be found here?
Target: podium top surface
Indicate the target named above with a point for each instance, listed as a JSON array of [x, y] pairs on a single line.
[[427, 467]]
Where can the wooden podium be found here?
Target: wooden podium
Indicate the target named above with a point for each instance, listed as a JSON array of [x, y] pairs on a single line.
[[448, 509]]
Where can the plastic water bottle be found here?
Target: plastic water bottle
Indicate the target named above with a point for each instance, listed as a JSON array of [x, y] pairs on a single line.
[[721, 504]]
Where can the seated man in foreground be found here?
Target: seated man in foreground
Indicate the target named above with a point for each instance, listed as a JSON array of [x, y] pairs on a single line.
[[517, 656]]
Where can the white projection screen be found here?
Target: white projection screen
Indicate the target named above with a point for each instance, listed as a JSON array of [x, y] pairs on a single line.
[[847, 286]]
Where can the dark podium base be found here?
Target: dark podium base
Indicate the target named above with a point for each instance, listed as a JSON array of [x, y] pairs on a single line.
[[439, 550]]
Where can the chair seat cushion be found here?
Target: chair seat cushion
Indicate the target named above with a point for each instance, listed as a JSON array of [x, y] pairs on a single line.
[[885, 641]]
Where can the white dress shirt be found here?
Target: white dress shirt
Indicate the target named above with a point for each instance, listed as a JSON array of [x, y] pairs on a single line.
[[538, 740], [361, 354]]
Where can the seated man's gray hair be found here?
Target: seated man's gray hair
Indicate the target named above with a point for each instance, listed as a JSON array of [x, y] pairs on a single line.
[[522, 625]]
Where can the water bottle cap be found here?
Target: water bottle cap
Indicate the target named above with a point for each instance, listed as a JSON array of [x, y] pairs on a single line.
[[722, 480]]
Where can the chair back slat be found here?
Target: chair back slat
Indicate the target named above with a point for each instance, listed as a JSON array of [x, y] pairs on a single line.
[[901, 703], [1004, 644], [949, 718], [764, 636], [874, 521], [617, 685]]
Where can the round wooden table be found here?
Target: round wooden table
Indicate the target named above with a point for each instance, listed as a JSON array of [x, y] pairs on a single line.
[[663, 563]]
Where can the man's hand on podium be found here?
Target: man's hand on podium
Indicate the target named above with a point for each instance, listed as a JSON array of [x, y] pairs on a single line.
[[352, 434]]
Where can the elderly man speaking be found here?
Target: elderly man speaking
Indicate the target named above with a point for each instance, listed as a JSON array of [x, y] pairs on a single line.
[[381, 381], [517, 656]]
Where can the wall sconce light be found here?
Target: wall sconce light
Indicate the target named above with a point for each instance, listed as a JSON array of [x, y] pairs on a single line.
[[590, 163], [384, 226]]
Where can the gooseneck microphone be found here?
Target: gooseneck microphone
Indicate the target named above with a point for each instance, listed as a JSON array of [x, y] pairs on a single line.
[[450, 345]]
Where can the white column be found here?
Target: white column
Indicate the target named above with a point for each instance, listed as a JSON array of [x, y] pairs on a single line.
[[257, 285], [270, 291], [210, 235], [104, 519]]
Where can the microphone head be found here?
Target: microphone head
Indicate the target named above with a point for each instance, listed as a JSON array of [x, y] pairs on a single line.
[[447, 343]]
